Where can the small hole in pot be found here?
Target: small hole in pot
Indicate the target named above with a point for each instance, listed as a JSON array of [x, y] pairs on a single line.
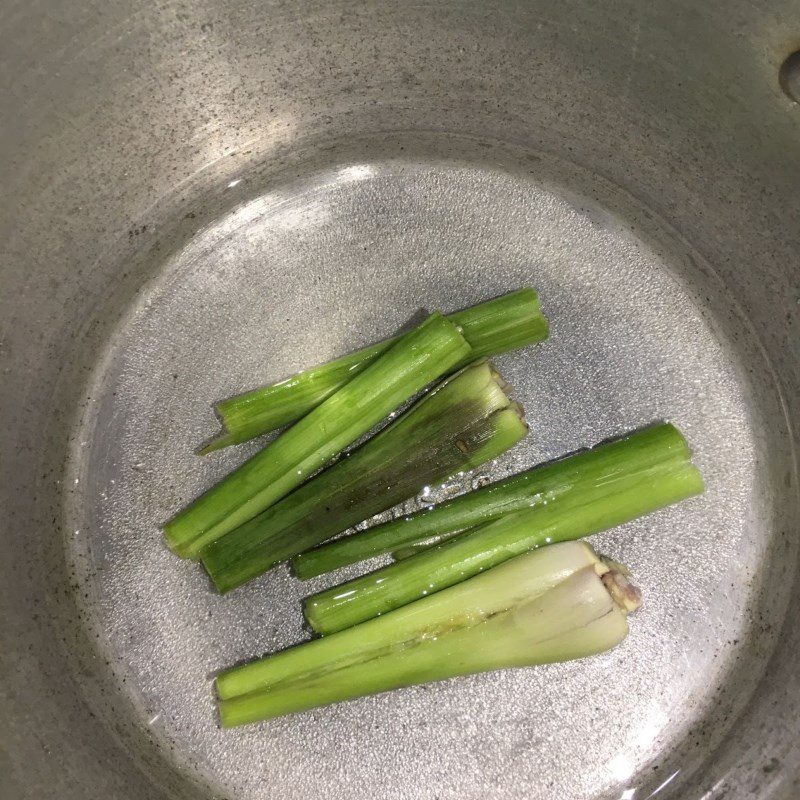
[[789, 76]]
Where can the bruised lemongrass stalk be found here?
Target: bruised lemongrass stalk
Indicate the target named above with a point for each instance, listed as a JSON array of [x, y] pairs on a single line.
[[592, 509], [463, 423], [403, 370], [506, 323], [555, 604], [602, 465]]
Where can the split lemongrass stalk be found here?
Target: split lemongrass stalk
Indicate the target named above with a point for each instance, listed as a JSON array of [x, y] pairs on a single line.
[[403, 370], [593, 509], [602, 465], [556, 604], [466, 421], [497, 326]]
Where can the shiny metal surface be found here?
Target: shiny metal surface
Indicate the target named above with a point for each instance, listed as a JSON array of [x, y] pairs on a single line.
[[198, 198]]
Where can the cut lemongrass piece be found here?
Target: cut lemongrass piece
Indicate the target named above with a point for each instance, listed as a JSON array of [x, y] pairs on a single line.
[[408, 550], [497, 326], [463, 423], [556, 604], [403, 370], [602, 465], [591, 510], [459, 606], [259, 411]]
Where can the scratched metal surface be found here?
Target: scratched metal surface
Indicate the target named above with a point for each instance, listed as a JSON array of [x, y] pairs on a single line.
[[235, 199]]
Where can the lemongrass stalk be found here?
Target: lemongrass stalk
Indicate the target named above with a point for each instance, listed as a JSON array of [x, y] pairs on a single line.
[[506, 323], [259, 411], [557, 604], [601, 465], [466, 421], [589, 511], [408, 550], [465, 604], [410, 365]]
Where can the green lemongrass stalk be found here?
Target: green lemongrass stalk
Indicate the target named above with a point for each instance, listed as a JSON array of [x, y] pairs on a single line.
[[557, 604], [417, 547], [593, 509], [464, 422], [409, 366], [497, 326], [600, 465], [460, 605]]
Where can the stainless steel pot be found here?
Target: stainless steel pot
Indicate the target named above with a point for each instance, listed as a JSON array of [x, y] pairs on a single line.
[[198, 197]]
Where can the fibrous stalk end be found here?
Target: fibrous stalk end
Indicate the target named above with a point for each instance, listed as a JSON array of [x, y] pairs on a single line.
[[616, 579]]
